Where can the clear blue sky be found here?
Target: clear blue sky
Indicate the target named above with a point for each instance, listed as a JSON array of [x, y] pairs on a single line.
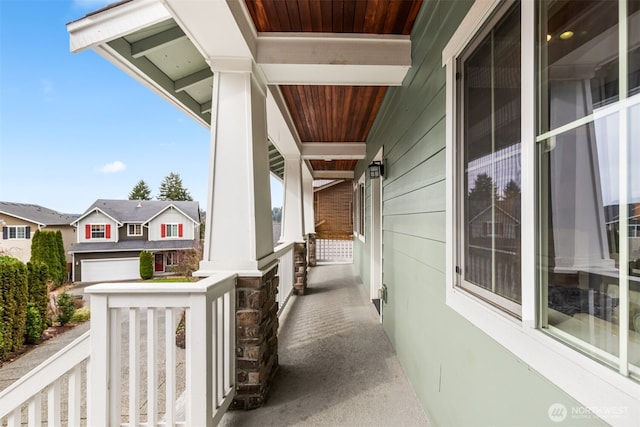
[[74, 128]]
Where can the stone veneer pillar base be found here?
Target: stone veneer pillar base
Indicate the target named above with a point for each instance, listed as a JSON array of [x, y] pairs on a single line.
[[311, 241], [256, 338], [300, 262]]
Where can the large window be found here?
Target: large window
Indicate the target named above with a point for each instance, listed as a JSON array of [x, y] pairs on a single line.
[[15, 232], [488, 263], [588, 141], [543, 144]]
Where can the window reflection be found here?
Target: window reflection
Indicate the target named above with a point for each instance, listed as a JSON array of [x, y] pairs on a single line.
[[584, 90]]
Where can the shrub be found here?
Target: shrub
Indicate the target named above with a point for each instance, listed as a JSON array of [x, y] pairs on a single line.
[[66, 307], [34, 327], [81, 315], [39, 290], [47, 248], [14, 298], [146, 265]]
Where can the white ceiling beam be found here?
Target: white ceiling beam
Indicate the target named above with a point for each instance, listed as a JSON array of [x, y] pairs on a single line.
[[334, 150], [349, 59], [192, 79], [127, 18], [332, 174], [157, 41]]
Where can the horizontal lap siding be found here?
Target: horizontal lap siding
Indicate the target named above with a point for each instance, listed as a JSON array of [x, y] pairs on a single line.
[[461, 376]]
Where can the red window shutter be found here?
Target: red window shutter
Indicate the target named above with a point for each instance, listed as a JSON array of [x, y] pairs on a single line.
[[179, 230], [107, 231], [163, 230], [87, 231]]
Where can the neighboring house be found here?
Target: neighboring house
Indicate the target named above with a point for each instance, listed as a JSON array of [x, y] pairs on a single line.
[[19, 221], [112, 233], [332, 203]]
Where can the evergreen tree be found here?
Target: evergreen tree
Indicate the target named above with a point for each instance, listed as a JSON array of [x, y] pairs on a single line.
[[62, 256], [482, 195], [512, 191], [47, 248], [141, 191], [172, 189]]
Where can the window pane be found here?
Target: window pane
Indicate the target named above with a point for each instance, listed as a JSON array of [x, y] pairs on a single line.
[[491, 162], [578, 53], [579, 177], [634, 239]]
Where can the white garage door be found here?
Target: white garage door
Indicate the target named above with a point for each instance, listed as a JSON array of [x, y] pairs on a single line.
[[106, 270]]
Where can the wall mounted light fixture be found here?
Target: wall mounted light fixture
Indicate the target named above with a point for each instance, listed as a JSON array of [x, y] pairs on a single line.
[[376, 169]]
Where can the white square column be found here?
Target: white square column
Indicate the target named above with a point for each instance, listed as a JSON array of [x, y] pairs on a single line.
[[238, 232], [307, 199], [292, 210]]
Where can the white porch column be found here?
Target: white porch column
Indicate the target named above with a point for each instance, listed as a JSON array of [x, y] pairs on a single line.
[[307, 197], [292, 209], [238, 234]]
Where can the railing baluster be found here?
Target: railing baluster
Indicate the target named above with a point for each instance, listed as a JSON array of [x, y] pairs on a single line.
[[53, 404], [152, 369], [170, 367], [115, 366], [227, 343], [34, 413], [134, 367], [74, 399], [15, 418]]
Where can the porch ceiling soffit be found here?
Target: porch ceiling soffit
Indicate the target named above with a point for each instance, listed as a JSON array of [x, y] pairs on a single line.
[[169, 47]]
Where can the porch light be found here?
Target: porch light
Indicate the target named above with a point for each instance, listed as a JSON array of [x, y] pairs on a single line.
[[376, 169]]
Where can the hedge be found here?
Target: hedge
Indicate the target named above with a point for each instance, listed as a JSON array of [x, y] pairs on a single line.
[[14, 293]]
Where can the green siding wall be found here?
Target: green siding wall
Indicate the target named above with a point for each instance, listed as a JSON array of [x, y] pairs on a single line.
[[461, 376]]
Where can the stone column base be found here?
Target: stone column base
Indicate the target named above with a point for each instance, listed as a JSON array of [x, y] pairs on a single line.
[[311, 241], [256, 338], [300, 262]]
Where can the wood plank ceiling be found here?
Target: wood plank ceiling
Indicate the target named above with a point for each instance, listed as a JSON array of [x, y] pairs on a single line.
[[334, 114]]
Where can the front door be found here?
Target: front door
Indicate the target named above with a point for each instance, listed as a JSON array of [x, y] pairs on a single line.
[[159, 263]]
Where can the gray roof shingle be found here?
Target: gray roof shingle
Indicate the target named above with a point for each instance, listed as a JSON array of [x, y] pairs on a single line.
[[140, 211], [133, 245], [36, 213]]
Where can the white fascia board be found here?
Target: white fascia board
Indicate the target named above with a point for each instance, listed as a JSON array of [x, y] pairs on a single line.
[[334, 150], [333, 174], [329, 59], [116, 22]]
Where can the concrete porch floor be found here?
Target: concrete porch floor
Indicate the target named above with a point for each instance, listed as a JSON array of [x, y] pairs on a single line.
[[337, 367]]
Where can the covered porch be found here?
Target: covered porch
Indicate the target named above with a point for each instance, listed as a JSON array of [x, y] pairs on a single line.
[[336, 367]]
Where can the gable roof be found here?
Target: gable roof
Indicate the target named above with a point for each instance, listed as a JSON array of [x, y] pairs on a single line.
[[141, 211], [36, 213]]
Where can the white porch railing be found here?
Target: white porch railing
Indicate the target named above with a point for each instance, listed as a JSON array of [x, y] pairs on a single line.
[[23, 400], [135, 373], [286, 268], [332, 250]]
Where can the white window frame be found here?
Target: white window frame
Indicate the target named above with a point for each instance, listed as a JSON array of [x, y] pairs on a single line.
[[170, 226], [104, 231], [171, 259], [591, 383], [134, 234], [16, 227]]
